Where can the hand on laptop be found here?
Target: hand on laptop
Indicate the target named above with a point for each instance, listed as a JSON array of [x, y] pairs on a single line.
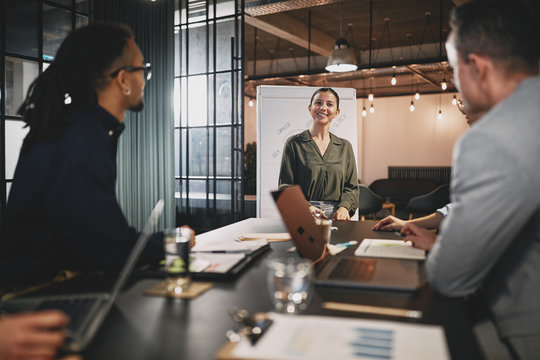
[[389, 223], [342, 214], [419, 237], [35, 335]]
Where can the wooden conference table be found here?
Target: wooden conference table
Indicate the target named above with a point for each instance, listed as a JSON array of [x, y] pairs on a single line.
[[144, 327]]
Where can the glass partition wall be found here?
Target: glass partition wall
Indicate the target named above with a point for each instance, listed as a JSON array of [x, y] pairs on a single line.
[[208, 112], [30, 33]]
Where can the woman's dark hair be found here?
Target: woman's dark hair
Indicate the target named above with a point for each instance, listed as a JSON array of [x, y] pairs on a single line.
[[330, 90], [78, 71]]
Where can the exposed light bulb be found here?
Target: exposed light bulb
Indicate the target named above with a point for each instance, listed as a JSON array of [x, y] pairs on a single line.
[[439, 115], [371, 109], [417, 96], [370, 97], [444, 85], [364, 112], [454, 100], [411, 107], [393, 81], [250, 103]]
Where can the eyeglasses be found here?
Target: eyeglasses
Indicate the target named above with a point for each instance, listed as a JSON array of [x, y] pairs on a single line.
[[147, 68], [461, 106]]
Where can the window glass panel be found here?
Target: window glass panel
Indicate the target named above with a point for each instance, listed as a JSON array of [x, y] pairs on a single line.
[[197, 190], [177, 152], [183, 107], [198, 151], [15, 133], [224, 8], [197, 100], [19, 75], [80, 21], [197, 48], [223, 151], [196, 11], [184, 152], [183, 52], [177, 50], [211, 151], [176, 102], [81, 6], [223, 195], [56, 26], [21, 27], [210, 96], [211, 47], [223, 99], [225, 31]]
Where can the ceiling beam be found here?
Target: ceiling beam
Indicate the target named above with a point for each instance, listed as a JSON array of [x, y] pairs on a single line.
[[422, 76], [295, 31]]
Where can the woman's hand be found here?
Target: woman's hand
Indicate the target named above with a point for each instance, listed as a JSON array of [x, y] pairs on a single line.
[[419, 237], [389, 223], [317, 213], [342, 214]]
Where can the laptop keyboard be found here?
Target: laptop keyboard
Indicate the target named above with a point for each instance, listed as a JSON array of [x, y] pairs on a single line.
[[361, 269], [75, 308]]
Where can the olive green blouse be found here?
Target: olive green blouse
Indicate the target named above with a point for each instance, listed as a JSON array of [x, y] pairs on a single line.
[[331, 177]]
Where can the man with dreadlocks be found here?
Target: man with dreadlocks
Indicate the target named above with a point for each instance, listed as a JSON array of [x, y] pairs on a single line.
[[62, 211]]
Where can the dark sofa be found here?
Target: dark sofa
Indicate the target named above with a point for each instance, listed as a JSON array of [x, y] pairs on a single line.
[[400, 191]]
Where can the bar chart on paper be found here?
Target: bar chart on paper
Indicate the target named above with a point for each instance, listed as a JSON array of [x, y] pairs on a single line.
[[303, 337]]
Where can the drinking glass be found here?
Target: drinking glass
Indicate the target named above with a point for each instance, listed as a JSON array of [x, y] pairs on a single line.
[[289, 283], [177, 245]]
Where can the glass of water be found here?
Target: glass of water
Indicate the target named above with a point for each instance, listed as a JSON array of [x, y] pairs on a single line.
[[289, 283], [177, 248]]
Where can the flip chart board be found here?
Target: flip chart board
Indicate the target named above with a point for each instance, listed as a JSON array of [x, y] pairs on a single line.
[[282, 111]]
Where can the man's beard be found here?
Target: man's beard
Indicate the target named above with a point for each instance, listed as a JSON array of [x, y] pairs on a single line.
[[137, 107]]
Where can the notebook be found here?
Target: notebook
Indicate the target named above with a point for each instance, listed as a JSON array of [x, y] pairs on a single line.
[[87, 311], [340, 270]]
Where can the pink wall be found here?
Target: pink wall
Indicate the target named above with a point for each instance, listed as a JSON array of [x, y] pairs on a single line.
[[394, 136]]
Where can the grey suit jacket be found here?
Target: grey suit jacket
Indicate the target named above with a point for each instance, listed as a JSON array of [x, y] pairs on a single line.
[[491, 238]]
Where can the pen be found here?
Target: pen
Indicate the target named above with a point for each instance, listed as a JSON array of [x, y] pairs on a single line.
[[378, 310], [348, 243], [398, 233]]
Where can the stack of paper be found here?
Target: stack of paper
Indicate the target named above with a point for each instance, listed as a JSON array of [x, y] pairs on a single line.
[[397, 249]]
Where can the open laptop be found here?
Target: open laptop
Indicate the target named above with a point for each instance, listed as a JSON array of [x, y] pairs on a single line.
[[340, 270], [87, 311]]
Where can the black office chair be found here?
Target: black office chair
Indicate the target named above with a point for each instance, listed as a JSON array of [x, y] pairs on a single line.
[[368, 202], [428, 203]]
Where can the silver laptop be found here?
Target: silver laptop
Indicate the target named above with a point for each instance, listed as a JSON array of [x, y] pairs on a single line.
[[340, 270], [87, 311]]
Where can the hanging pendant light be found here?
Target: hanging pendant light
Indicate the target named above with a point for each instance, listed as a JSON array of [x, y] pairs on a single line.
[[417, 95], [342, 58], [364, 112], [411, 107], [372, 109], [454, 100]]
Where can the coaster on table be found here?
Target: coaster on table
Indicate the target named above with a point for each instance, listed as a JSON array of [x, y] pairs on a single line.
[[196, 289]]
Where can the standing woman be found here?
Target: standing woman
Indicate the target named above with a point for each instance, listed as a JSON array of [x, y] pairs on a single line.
[[322, 163]]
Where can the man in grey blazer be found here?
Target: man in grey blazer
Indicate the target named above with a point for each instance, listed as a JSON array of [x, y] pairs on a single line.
[[490, 241]]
